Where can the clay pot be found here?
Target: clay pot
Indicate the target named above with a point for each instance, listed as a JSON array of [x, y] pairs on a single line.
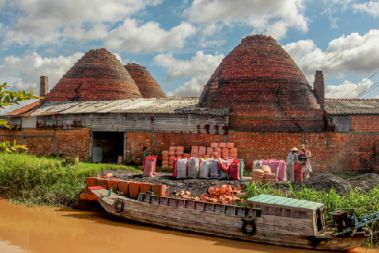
[[133, 189], [123, 187], [112, 184], [103, 182], [144, 187], [159, 189], [91, 181]]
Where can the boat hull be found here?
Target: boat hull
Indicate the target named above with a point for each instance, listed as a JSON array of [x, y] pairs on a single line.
[[216, 224]]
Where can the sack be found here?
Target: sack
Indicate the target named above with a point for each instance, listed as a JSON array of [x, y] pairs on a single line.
[[193, 167], [204, 168], [150, 166], [214, 171], [223, 164], [174, 167], [223, 174], [234, 170], [182, 168], [242, 168]]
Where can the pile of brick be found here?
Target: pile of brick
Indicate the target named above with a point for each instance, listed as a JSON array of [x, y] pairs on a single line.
[[147, 85], [98, 75], [215, 150], [174, 152], [224, 194]]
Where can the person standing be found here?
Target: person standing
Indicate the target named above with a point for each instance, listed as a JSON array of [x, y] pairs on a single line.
[[291, 159], [307, 166]]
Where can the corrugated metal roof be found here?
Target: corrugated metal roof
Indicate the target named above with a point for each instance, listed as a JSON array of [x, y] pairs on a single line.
[[283, 201], [169, 105], [352, 106]]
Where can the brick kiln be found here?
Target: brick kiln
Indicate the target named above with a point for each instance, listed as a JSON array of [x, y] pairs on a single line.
[[257, 99], [145, 82], [264, 88], [98, 75]]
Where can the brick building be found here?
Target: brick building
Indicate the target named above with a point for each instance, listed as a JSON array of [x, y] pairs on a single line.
[[257, 98]]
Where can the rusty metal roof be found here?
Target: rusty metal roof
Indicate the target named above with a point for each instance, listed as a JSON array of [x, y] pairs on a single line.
[[169, 105], [352, 106]]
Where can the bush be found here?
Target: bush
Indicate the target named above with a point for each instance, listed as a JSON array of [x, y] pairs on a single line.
[[40, 180]]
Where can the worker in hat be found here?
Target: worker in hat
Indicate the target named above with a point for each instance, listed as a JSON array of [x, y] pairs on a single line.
[[291, 160], [307, 169]]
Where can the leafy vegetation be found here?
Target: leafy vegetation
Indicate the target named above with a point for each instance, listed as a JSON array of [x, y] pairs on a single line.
[[50, 181], [362, 202], [8, 98]]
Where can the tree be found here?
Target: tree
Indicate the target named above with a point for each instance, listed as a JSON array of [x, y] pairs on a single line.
[[8, 98]]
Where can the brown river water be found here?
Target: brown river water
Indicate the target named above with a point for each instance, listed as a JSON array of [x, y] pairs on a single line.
[[54, 230]]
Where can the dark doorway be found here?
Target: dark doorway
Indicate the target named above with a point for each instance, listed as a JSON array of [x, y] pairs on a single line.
[[107, 146]]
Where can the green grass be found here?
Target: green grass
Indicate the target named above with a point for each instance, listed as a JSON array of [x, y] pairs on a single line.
[[362, 202], [49, 181]]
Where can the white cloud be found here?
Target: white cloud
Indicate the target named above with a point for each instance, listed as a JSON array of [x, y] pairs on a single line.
[[370, 7], [265, 16], [348, 89], [46, 21], [191, 88], [24, 72], [199, 65], [131, 37], [351, 53], [199, 68]]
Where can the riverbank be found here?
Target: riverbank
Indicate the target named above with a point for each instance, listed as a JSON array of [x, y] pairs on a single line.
[[47, 181]]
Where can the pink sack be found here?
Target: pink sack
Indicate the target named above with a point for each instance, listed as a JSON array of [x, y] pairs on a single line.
[[234, 170], [175, 167], [150, 166]]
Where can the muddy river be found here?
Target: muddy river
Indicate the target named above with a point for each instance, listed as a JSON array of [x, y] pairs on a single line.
[[45, 230]]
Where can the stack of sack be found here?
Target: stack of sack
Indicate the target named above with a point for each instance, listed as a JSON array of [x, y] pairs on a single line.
[[194, 167]]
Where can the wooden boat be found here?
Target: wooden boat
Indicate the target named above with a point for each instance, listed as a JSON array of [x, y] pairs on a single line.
[[266, 219]]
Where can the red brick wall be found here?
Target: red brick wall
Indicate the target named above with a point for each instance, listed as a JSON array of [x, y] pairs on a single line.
[[365, 123], [70, 143], [330, 151]]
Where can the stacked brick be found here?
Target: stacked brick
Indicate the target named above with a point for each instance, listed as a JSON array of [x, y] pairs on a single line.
[[145, 82], [264, 88], [98, 75], [174, 152], [215, 150]]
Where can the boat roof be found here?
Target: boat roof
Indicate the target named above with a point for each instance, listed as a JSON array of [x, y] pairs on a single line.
[[287, 202]]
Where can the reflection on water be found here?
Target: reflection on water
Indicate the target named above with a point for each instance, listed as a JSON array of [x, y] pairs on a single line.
[[45, 230]]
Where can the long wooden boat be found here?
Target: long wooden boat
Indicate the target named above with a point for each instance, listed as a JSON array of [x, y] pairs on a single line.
[[267, 219]]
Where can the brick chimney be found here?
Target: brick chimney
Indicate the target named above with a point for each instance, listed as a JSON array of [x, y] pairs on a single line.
[[43, 86], [319, 88]]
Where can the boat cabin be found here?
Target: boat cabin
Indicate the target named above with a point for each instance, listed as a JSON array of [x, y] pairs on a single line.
[[295, 216]]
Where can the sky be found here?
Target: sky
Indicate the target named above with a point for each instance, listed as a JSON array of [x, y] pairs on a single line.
[[182, 42]]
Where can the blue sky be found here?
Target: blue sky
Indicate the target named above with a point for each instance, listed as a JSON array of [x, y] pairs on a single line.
[[182, 42]]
